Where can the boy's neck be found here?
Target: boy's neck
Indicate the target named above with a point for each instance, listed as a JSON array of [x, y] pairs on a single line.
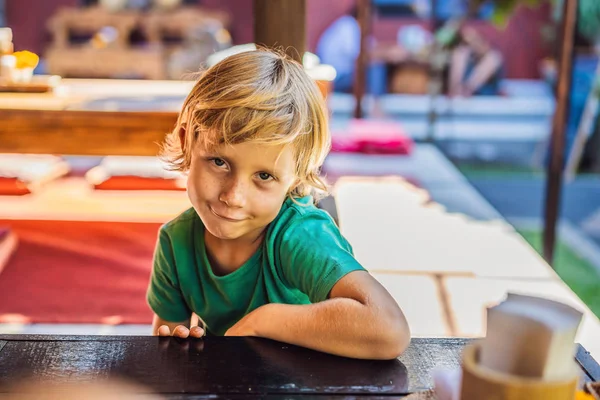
[[228, 255]]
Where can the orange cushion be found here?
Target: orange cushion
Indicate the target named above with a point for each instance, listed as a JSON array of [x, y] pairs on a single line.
[[13, 187], [138, 183]]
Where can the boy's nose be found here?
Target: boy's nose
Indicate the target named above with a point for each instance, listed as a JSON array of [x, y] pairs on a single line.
[[234, 195]]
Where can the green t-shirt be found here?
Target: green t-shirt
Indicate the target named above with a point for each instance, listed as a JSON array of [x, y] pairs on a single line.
[[302, 257]]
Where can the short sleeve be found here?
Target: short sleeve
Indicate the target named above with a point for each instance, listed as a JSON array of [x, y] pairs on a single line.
[[315, 256], [164, 295]]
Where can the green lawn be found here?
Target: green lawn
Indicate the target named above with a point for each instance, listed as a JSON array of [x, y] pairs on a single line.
[[491, 170], [495, 170], [578, 273]]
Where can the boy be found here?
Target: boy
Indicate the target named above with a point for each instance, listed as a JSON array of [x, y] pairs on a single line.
[[254, 256]]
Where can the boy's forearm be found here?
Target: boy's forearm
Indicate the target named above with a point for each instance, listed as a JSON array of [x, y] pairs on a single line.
[[340, 326]]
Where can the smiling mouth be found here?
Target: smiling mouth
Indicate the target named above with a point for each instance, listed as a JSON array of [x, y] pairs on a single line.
[[225, 218]]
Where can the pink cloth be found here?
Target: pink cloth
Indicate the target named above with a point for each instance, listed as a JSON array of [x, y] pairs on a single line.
[[373, 137]]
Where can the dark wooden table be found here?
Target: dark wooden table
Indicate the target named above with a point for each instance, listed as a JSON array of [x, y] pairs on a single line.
[[219, 367]]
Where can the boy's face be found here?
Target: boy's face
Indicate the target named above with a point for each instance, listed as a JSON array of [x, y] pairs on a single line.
[[238, 189]]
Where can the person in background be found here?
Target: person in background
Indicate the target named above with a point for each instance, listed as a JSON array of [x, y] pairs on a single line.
[[339, 46], [475, 67]]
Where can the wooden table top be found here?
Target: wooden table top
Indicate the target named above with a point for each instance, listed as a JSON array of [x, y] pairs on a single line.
[[218, 367], [92, 117], [96, 117], [103, 95]]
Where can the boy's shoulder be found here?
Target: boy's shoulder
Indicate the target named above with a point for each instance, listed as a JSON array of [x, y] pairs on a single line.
[[299, 212], [301, 224], [182, 222], [302, 207]]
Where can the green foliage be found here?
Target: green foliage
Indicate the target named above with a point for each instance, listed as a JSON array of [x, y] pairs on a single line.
[[589, 19], [503, 11], [504, 8]]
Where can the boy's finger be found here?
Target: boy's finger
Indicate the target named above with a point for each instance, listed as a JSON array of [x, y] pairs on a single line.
[[196, 331], [181, 332], [164, 331]]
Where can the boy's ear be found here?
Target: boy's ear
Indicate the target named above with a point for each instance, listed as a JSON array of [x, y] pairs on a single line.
[[182, 131], [296, 183]]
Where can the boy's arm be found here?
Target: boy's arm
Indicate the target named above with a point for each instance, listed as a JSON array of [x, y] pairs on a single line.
[[164, 295], [359, 320]]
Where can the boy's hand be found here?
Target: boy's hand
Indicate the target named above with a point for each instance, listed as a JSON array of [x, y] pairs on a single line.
[[237, 330], [247, 325], [181, 331]]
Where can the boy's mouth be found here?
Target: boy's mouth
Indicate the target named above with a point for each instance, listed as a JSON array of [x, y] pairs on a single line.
[[224, 217]]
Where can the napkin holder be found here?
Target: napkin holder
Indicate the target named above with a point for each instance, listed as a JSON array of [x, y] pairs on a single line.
[[481, 383]]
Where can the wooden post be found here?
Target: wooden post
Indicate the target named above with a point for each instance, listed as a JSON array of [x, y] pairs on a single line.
[[362, 62], [557, 140], [435, 75], [281, 24]]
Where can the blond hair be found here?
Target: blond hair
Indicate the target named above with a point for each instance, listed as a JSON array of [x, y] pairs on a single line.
[[261, 96]]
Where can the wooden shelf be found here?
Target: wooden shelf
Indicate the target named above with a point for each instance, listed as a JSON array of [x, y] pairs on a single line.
[[84, 132]]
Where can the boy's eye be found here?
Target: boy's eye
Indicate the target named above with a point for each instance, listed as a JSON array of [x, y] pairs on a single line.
[[218, 162], [265, 176]]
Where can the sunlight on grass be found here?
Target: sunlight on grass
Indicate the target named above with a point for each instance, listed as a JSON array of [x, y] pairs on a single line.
[[578, 273]]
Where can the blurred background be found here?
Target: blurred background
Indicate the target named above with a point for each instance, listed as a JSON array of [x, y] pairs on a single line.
[[442, 113]]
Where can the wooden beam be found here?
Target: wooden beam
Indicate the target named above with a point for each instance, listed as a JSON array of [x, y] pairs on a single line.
[[362, 62], [281, 23], [84, 132], [557, 140]]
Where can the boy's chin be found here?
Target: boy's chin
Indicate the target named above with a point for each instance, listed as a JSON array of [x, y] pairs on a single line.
[[224, 233]]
